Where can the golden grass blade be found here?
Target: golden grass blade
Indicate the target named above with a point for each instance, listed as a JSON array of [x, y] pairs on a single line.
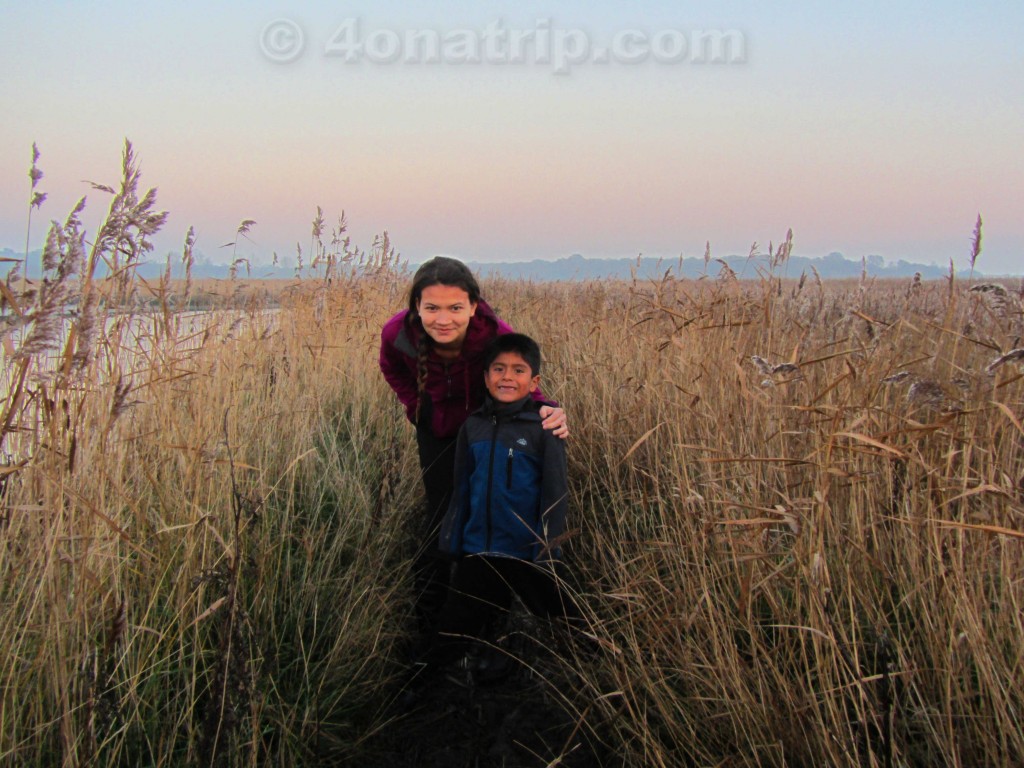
[[1011, 416], [749, 521], [642, 439], [10, 298], [985, 488], [759, 460], [209, 611], [874, 443], [993, 529]]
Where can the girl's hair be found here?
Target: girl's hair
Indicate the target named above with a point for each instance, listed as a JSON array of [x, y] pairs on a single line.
[[440, 270]]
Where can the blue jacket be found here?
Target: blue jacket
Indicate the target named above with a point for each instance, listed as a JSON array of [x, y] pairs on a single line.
[[511, 491]]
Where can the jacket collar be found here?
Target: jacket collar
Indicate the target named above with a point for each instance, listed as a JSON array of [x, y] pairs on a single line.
[[527, 408]]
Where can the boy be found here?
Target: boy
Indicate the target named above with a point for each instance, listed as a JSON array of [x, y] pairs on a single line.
[[509, 505]]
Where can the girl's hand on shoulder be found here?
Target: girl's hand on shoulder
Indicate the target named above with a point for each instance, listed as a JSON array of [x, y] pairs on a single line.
[[554, 419]]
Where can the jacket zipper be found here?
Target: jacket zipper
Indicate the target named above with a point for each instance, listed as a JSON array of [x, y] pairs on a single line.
[[508, 471], [490, 478]]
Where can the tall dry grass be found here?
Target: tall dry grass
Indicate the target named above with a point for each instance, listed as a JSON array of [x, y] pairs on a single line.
[[793, 559], [796, 508], [202, 518]]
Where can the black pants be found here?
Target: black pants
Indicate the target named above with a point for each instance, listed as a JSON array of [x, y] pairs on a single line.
[[483, 585], [430, 570]]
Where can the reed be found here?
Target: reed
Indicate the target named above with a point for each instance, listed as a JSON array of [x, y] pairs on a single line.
[[796, 511], [795, 563]]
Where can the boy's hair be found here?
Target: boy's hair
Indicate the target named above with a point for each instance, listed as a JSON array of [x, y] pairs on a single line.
[[521, 344]]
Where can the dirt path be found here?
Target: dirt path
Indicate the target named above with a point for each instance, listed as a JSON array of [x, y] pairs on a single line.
[[455, 721]]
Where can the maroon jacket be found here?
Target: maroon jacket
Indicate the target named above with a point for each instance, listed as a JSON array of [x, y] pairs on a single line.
[[455, 387]]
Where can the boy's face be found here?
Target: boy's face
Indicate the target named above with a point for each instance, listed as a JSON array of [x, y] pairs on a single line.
[[509, 378]]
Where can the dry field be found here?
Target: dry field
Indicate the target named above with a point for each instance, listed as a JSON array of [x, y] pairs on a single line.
[[797, 512]]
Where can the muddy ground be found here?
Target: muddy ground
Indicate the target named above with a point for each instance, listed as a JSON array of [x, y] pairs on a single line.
[[460, 717], [455, 722]]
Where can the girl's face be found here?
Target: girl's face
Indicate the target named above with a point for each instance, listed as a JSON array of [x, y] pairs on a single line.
[[445, 311]]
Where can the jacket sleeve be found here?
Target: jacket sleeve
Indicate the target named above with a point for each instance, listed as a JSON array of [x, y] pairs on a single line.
[[543, 399], [554, 498], [397, 371], [450, 539]]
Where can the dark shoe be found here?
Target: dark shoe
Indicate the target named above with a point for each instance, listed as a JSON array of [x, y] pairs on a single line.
[[491, 666]]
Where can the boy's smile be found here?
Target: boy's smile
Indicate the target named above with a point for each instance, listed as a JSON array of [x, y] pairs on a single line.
[[509, 378]]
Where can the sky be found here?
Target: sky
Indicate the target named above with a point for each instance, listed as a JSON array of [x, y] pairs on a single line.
[[531, 130]]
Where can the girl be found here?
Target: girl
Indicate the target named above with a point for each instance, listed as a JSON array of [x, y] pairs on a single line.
[[431, 356]]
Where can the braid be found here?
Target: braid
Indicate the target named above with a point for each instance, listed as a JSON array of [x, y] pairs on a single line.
[[422, 351], [439, 270]]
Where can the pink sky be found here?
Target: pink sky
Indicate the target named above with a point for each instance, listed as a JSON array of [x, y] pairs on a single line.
[[870, 131]]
